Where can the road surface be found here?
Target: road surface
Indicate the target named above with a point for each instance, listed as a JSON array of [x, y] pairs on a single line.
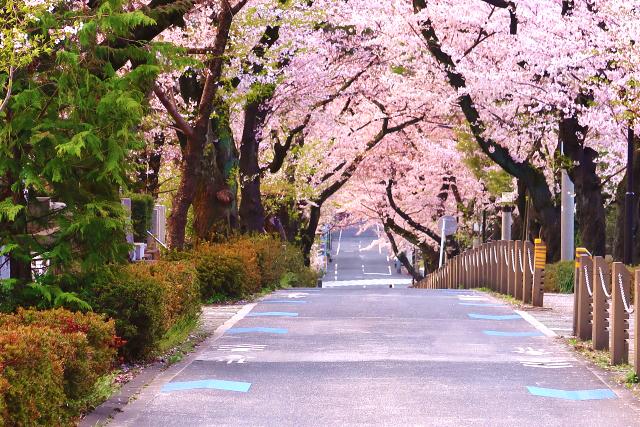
[[355, 356]]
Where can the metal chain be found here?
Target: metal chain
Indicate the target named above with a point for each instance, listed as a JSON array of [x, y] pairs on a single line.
[[530, 262], [604, 286], [624, 297], [495, 254], [513, 261], [506, 256], [586, 281]]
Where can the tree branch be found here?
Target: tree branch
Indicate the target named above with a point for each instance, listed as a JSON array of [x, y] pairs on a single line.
[[9, 87], [171, 108], [406, 216]]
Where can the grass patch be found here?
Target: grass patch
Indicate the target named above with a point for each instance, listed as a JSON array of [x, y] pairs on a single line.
[[178, 333], [504, 297], [103, 389]]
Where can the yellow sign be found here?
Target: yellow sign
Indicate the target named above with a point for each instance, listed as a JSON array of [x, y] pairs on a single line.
[[580, 252], [540, 252]]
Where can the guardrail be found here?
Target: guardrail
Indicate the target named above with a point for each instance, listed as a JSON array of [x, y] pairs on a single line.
[[603, 307], [514, 268]]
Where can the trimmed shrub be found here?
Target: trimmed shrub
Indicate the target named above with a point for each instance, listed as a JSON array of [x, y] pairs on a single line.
[[558, 277], [180, 285], [141, 212], [135, 301], [230, 270], [146, 300], [48, 361]]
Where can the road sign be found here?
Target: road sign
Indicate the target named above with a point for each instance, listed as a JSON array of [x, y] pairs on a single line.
[[447, 225]]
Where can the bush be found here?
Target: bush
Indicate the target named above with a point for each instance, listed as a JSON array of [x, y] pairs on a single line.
[[48, 361], [135, 301], [227, 269], [141, 211], [558, 277], [180, 285], [146, 300]]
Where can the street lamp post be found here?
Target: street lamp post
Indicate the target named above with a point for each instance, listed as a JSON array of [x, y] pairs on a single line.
[[629, 201]]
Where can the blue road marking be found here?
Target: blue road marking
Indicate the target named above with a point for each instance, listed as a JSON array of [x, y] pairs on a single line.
[[492, 317], [260, 330], [479, 304], [273, 313], [597, 394], [278, 301], [513, 334], [212, 384]]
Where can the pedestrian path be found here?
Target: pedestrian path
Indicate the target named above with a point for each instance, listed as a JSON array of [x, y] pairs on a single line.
[[381, 356]]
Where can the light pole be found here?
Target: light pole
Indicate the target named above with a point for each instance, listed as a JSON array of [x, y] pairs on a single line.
[[629, 200]]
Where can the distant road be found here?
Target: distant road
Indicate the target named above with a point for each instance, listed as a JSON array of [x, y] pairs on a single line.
[[359, 261]]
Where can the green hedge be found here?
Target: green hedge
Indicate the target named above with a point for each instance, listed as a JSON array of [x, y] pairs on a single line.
[[146, 300], [141, 212], [558, 277], [49, 360]]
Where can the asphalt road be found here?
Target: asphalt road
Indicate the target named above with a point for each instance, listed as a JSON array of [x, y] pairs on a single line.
[[360, 259], [374, 355]]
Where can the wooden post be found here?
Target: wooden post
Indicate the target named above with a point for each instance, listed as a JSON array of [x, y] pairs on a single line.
[[601, 293], [540, 261], [519, 267], [509, 272], [576, 288], [494, 265], [585, 295], [620, 278], [636, 341], [527, 275], [504, 265]]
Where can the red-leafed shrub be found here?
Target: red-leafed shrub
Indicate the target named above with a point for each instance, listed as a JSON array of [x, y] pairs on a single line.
[[48, 361]]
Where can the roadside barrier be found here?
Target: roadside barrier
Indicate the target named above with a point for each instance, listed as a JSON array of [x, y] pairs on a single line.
[[514, 268], [603, 307]]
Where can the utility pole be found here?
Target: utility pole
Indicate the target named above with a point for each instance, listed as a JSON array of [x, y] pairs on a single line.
[[567, 213], [629, 201]]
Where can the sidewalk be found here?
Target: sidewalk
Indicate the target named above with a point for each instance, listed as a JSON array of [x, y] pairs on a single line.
[[557, 315], [211, 318]]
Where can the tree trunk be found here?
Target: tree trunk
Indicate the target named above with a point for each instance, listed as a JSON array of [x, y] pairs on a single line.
[[251, 209], [618, 243], [190, 172], [215, 208], [309, 234], [402, 257], [591, 216]]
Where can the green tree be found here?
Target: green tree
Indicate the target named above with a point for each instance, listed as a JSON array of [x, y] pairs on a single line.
[[66, 134]]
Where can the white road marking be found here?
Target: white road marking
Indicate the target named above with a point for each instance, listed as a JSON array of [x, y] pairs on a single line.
[[531, 351], [339, 242], [379, 274], [366, 282], [297, 295], [471, 298], [536, 323], [389, 269], [234, 358], [547, 364], [241, 348]]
